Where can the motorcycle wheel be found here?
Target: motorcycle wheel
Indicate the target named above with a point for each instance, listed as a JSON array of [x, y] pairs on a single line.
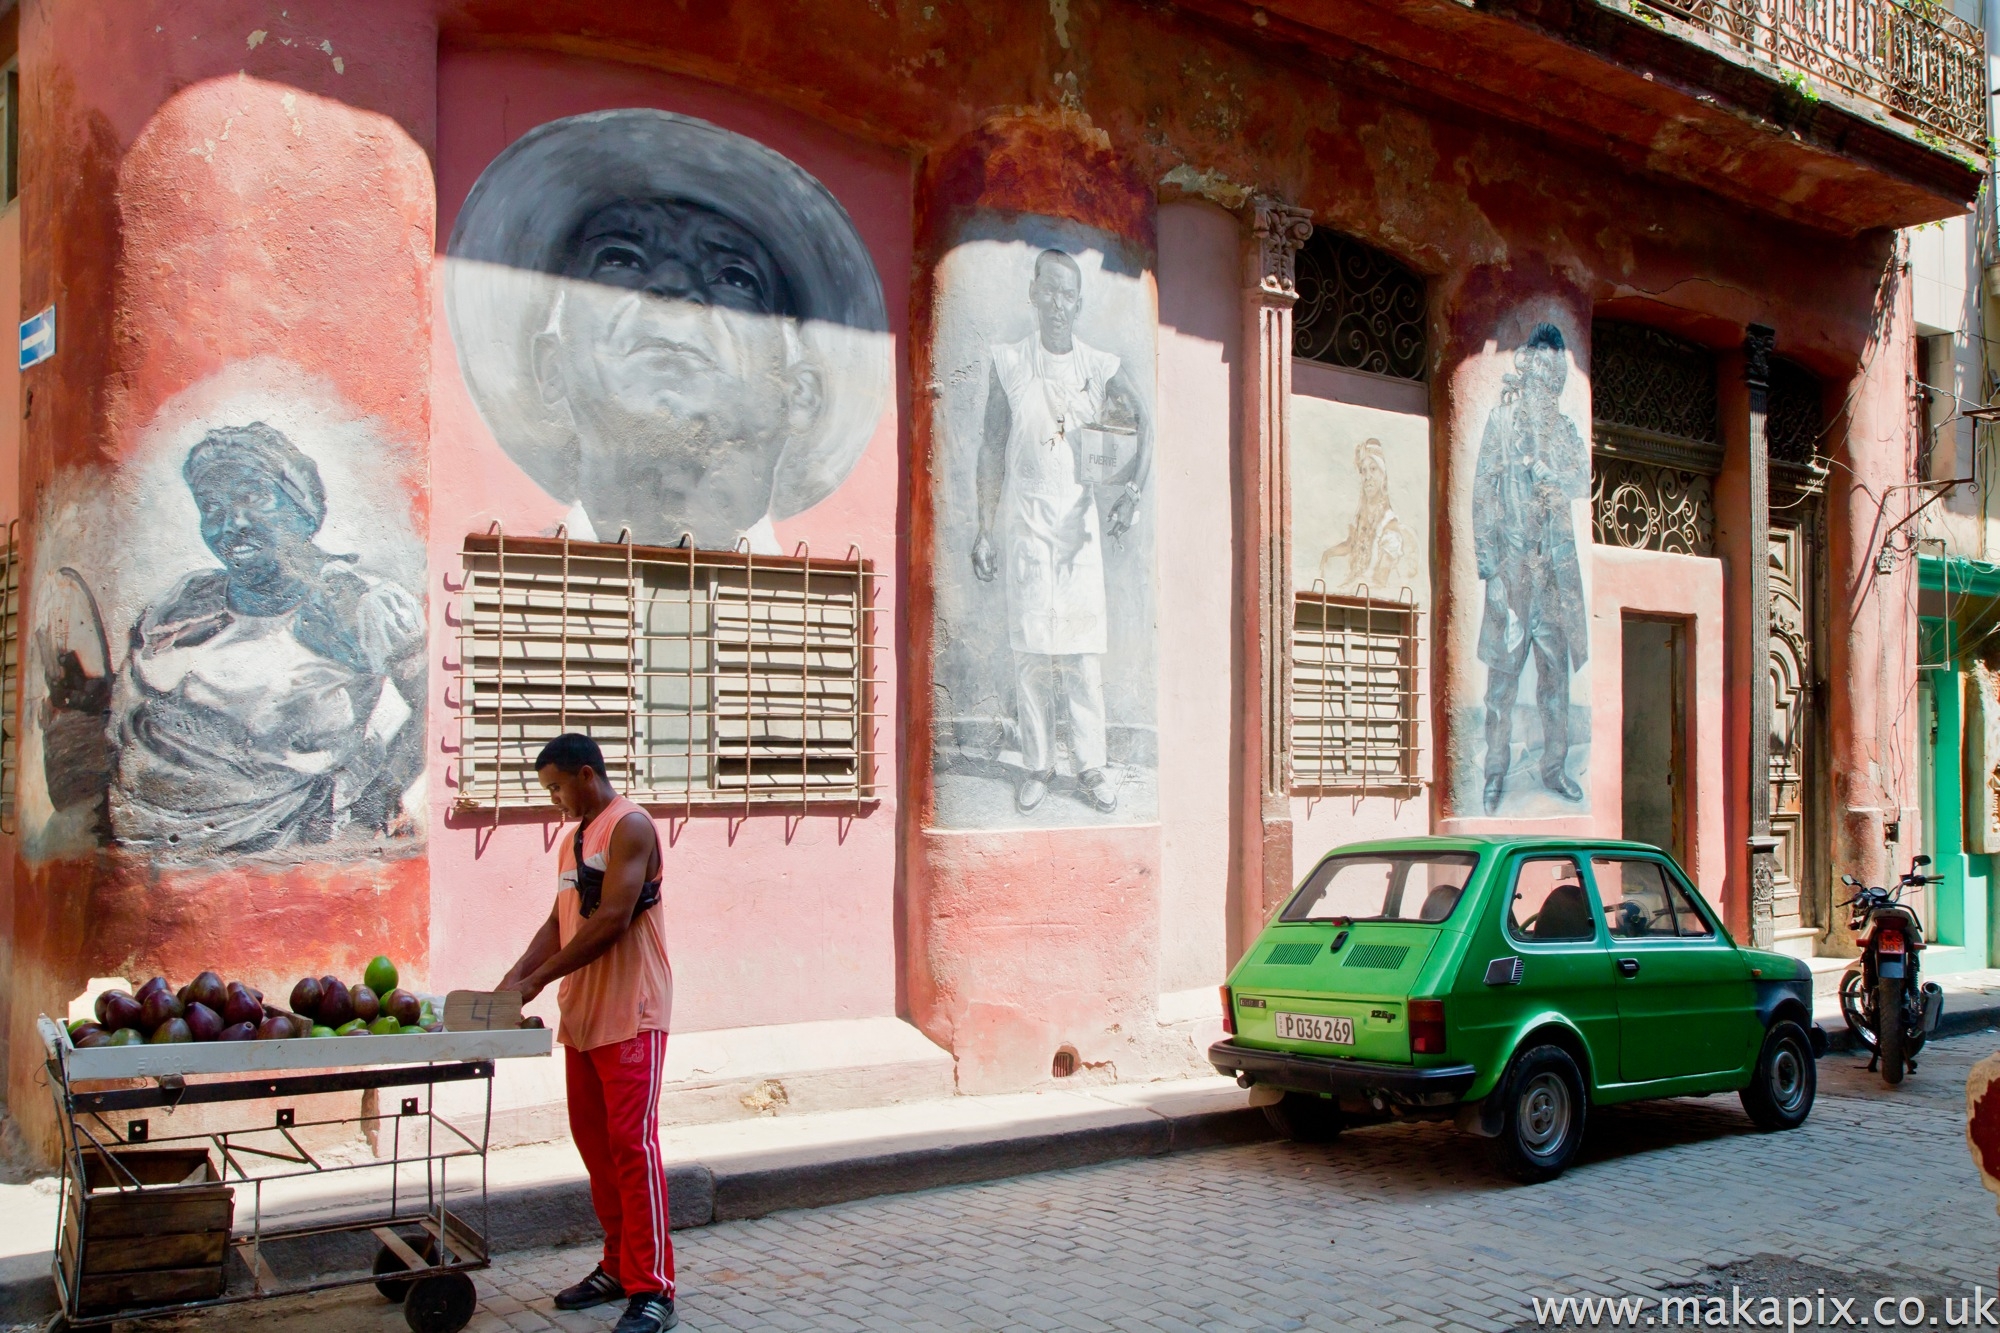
[[1889, 1015], [1855, 1006]]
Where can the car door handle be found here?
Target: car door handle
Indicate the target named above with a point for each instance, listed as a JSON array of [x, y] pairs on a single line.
[[1628, 967]]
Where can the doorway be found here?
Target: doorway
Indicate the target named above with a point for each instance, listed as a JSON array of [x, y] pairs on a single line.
[[1654, 779]]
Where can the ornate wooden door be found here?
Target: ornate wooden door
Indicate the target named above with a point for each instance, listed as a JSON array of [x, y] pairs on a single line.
[[1795, 665]]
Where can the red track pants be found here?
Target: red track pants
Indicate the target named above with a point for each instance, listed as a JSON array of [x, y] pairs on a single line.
[[614, 1116]]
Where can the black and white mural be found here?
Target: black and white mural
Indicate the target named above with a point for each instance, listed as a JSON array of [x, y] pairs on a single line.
[[227, 654], [667, 325], [1360, 500], [1522, 734], [1044, 664]]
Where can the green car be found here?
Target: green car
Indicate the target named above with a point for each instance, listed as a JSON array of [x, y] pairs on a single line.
[[1509, 984]]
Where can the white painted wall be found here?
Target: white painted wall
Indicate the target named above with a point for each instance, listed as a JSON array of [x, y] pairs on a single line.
[[1200, 263]]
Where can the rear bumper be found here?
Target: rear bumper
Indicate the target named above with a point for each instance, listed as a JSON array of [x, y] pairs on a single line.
[[1405, 1085]]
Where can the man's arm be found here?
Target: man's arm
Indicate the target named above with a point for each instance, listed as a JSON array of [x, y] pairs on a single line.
[[631, 850], [1125, 510], [538, 951], [992, 474]]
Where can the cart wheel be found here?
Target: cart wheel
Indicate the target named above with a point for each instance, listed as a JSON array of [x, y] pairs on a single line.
[[441, 1304], [388, 1261]]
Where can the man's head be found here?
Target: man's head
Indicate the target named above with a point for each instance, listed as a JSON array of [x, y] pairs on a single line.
[[261, 500], [674, 352], [1056, 292], [1544, 361], [571, 770]]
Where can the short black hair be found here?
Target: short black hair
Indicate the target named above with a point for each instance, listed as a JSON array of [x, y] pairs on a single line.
[[571, 752], [1546, 336]]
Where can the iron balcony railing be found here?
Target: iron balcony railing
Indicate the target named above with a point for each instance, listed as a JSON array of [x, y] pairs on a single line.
[[1913, 58]]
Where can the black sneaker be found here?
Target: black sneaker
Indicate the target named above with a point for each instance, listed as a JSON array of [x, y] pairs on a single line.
[[648, 1312], [596, 1289]]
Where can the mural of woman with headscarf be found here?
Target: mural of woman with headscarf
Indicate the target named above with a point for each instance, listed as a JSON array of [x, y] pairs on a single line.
[[273, 701]]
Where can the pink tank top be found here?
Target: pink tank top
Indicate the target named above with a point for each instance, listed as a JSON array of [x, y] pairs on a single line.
[[629, 989]]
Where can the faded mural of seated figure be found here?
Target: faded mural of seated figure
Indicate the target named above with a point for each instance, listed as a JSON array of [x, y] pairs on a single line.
[[276, 700], [676, 360]]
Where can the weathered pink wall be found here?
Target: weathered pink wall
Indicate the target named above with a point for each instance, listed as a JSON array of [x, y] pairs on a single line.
[[1691, 588], [775, 919], [1200, 276]]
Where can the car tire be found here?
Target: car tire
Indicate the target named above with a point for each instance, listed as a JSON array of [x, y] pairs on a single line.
[[1304, 1118], [1782, 1086], [1543, 1111]]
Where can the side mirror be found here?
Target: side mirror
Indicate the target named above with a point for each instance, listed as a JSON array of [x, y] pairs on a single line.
[[1920, 860], [1850, 881]]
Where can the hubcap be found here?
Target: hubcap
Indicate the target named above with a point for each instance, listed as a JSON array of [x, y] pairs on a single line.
[[1788, 1078], [1544, 1114]]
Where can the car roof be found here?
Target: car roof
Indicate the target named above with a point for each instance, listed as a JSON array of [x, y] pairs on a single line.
[[1484, 843]]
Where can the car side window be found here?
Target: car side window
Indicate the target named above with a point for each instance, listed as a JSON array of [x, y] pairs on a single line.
[[1549, 901], [1686, 915], [1634, 894]]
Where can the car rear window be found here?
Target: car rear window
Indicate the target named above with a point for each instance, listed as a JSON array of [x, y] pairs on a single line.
[[1383, 886]]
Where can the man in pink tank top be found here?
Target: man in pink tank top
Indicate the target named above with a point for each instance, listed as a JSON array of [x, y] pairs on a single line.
[[605, 941]]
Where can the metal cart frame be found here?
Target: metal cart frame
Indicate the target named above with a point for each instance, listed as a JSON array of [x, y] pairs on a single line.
[[437, 1294]]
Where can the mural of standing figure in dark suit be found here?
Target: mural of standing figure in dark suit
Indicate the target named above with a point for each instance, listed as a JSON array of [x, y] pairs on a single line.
[[1532, 464]]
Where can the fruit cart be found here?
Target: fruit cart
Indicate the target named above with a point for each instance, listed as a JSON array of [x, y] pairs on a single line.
[[156, 1223]]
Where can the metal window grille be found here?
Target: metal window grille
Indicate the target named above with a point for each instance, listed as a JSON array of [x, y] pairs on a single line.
[[10, 676], [1796, 414], [1355, 692], [709, 678], [1357, 308]]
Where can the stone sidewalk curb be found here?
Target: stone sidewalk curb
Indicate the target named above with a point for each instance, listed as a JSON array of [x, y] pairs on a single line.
[[1963, 1012], [559, 1214]]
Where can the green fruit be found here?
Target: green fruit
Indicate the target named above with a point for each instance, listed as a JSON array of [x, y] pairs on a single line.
[[409, 1029], [380, 976], [127, 1037], [353, 1027], [385, 1026], [321, 1030]]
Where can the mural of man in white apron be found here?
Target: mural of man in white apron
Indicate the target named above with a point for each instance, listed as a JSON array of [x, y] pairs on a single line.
[[1057, 413]]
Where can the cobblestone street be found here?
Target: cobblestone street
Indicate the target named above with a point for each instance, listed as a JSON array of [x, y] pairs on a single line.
[[1394, 1227]]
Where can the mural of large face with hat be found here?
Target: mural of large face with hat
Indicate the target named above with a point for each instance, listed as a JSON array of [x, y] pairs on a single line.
[[668, 326], [253, 681]]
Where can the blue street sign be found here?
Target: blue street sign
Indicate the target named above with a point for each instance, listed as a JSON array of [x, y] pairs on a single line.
[[38, 338]]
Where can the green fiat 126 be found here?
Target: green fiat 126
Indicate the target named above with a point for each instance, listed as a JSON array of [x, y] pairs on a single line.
[[1509, 984]]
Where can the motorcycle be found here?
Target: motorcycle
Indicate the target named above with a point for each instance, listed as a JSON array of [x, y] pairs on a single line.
[[1886, 1008]]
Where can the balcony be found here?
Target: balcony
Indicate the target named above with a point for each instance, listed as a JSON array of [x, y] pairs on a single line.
[[1843, 115]]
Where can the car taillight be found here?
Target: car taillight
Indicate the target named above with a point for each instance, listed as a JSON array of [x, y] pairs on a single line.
[[1427, 1027], [1888, 940], [1228, 1012]]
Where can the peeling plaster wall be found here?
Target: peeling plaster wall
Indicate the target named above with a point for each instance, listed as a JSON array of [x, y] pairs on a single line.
[[223, 185]]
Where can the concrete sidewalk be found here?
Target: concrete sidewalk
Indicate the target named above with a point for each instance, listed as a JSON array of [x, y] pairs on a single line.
[[539, 1195]]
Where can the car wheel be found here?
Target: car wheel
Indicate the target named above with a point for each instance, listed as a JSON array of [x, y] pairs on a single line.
[[1543, 1108], [1304, 1118], [1780, 1095]]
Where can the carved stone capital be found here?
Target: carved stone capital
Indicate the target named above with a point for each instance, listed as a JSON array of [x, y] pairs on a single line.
[[1277, 231], [1758, 341]]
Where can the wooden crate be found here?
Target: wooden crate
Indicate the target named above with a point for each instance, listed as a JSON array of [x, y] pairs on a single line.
[[160, 1243]]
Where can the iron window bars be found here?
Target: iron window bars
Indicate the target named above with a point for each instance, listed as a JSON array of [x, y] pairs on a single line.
[[1656, 440], [709, 678], [1356, 663], [1357, 308]]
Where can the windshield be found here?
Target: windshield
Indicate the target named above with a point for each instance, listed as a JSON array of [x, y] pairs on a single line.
[[1383, 886]]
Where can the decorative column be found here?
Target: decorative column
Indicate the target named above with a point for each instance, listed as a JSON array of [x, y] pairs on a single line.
[[1757, 343], [1264, 498]]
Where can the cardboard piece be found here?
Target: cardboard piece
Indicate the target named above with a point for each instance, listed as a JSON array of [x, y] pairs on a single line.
[[482, 1010]]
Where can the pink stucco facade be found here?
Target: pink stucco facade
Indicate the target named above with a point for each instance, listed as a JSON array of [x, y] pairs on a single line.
[[1084, 792]]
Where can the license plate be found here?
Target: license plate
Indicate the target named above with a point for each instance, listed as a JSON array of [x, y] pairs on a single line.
[[1313, 1027]]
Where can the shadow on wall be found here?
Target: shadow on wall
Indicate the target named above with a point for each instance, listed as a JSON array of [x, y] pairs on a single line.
[[667, 325]]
